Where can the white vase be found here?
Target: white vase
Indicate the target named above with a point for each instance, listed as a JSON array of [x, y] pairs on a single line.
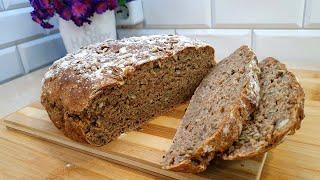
[[130, 14], [102, 27]]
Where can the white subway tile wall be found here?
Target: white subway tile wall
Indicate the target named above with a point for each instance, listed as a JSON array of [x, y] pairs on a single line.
[[258, 14], [24, 45], [312, 16], [285, 29], [40, 52], [10, 64], [225, 41], [14, 4], [297, 48], [124, 33], [177, 13], [17, 24]]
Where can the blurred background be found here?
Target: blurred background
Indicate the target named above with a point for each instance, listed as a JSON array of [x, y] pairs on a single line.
[[285, 29]]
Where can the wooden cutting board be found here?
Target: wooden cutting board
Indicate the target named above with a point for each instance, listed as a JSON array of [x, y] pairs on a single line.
[[142, 149]]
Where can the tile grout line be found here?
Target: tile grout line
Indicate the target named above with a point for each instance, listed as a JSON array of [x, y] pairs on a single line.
[[251, 39], [23, 40], [213, 14], [24, 63], [304, 13], [20, 59]]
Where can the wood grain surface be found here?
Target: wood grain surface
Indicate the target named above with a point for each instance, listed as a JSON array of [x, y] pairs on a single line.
[[142, 149], [28, 157]]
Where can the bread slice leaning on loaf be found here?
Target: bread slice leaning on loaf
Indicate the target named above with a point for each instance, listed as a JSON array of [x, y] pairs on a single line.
[[219, 107], [112, 87], [280, 112]]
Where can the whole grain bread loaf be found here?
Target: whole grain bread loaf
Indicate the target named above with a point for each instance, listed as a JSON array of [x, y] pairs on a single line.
[[217, 111], [280, 112], [108, 88]]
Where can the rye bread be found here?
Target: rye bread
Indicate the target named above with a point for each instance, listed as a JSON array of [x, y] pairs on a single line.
[[112, 87], [279, 113], [217, 111]]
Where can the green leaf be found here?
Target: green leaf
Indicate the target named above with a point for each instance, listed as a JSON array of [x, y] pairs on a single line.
[[122, 2]]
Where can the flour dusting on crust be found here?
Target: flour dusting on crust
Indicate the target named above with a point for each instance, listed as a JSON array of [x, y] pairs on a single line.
[[97, 61]]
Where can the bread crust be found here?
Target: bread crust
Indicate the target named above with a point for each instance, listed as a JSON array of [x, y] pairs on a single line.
[[296, 117], [70, 89], [218, 141]]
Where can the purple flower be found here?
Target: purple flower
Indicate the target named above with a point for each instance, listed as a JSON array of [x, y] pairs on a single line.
[[79, 11], [44, 3], [101, 7], [112, 4], [43, 11], [66, 14]]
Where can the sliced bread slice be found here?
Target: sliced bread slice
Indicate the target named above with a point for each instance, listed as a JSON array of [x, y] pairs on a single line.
[[280, 112], [217, 110]]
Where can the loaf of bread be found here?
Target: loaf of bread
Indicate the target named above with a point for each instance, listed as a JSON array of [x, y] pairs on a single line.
[[279, 113], [217, 111], [108, 88]]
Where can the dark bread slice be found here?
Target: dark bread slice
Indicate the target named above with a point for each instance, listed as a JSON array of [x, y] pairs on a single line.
[[280, 112], [112, 87], [217, 110]]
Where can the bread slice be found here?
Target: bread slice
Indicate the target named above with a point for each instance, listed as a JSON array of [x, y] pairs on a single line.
[[280, 112], [112, 87], [217, 110]]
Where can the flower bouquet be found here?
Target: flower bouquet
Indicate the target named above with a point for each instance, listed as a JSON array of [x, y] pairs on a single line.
[[81, 22]]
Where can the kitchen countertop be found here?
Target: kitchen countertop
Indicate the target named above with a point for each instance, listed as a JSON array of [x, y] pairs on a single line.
[[297, 158]]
